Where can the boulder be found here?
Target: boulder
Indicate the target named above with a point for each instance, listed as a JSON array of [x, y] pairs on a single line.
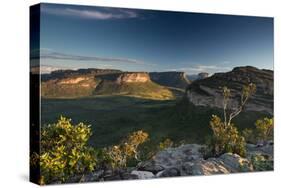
[[143, 174], [235, 163], [205, 167], [173, 157], [169, 172], [150, 166]]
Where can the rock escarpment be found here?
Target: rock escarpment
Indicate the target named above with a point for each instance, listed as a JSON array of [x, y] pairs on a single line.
[[126, 77], [207, 92]]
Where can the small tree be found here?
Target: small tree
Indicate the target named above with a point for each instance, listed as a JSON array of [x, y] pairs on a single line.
[[247, 92], [264, 128], [226, 137]]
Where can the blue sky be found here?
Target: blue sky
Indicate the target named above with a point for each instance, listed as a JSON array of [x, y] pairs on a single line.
[[146, 40]]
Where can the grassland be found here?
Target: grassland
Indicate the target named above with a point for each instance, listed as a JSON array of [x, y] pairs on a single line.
[[113, 117]]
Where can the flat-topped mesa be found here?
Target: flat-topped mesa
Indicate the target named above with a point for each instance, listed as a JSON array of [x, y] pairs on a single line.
[[170, 79], [133, 77]]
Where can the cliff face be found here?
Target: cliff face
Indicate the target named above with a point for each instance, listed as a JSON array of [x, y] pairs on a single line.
[[207, 92], [126, 77], [170, 79], [60, 74], [70, 87], [140, 77]]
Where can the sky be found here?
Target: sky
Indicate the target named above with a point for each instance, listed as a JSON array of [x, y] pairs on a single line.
[[146, 40]]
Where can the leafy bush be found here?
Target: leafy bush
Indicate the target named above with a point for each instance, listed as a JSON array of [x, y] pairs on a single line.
[[167, 143], [264, 128], [225, 138], [261, 163], [119, 155], [64, 151], [262, 132]]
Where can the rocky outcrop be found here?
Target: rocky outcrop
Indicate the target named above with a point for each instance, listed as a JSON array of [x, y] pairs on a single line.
[[207, 92], [188, 160], [170, 79], [185, 160]]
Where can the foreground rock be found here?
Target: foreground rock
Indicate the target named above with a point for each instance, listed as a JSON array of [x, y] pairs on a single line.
[[143, 174], [185, 160]]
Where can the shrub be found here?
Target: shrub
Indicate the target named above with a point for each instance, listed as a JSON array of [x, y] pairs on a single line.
[[64, 151], [261, 163], [119, 155], [264, 128], [167, 143]]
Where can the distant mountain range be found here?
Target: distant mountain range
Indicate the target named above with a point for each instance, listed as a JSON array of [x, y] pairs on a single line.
[[201, 89]]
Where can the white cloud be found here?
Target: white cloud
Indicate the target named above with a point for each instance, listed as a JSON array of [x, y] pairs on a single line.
[[45, 69], [101, 14], [195, 69]]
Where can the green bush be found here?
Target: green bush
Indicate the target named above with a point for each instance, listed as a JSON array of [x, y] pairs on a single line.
[[167, 143], [262, 132], [64, 151], [261, 163], [264, 128]]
